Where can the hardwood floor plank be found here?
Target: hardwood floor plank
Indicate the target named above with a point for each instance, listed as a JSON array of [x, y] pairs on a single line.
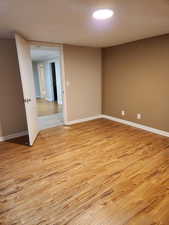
[[94, 173]]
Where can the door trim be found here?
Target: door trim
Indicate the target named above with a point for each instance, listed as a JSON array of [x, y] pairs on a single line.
[[55, 45]]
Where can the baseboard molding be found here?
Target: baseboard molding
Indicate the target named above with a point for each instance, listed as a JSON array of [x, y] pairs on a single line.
[[137, 125], [83, 120], [11, 136], [129, 123]]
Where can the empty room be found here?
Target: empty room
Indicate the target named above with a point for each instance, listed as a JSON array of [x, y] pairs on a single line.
[[84, 112]]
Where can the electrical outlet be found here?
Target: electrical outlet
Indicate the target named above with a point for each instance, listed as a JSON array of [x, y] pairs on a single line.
[[138, 116], [123, 113]]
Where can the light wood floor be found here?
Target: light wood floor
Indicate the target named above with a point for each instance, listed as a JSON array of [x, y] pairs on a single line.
[[94, 173], [45, 108]]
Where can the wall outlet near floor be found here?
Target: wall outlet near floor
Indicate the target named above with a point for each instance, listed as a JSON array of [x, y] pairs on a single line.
[[139, 116], [123, 112]]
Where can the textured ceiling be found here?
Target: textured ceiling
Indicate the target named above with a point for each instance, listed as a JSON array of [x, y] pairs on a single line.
[[71, 22]]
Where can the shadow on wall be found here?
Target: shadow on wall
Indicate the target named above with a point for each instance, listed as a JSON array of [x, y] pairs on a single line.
[[20, 141]]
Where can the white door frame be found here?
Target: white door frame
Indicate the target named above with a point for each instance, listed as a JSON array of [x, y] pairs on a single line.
[[65, 112], [63, 78]]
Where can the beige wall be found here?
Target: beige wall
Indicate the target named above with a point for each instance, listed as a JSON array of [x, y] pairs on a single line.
[[83, 72], [136, 79], [12, 114]]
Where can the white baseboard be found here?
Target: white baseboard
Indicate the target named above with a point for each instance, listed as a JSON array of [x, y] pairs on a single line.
[[83, 120], [11, 136], [137, 125]]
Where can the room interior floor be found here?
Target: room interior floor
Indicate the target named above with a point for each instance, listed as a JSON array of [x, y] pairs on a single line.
[[45, 108], [94, 173]]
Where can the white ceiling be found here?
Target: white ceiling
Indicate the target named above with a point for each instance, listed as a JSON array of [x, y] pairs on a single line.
[[71, 22], [39, 53]]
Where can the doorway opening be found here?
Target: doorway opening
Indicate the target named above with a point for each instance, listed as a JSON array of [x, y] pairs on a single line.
[[47, 71], [54, 81]]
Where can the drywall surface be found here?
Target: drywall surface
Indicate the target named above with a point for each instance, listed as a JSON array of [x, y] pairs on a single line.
[[82, 67], [36, 78], [12, 111], [136, 80]]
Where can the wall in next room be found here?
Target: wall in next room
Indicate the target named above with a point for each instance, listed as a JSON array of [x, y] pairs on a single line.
[[36, 79], [82, 67], [136, 79], [12, 111]]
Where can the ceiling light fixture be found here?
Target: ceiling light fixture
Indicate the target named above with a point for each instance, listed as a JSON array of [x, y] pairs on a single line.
[[103, 14]]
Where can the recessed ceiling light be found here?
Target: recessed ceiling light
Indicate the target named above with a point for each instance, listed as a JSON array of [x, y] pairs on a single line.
[[103, 14]]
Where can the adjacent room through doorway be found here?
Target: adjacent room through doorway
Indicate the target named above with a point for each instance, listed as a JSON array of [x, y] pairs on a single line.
[[46, 62]]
